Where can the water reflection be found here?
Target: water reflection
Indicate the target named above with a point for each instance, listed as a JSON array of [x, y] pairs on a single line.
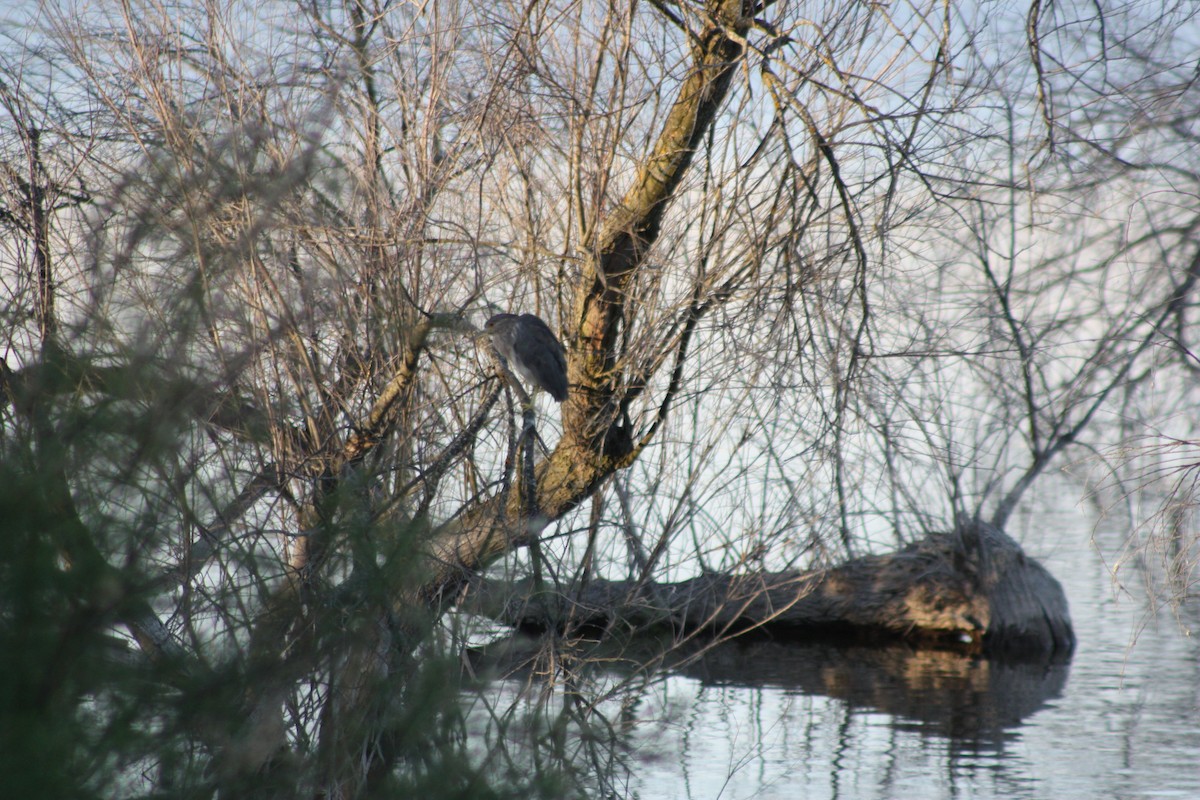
[[974, 703], [779, 720], [769, 720]]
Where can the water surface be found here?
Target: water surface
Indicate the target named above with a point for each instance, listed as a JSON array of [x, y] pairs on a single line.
[[1120, 720]]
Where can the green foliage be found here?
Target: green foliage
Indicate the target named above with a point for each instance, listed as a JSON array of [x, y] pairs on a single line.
[[96, 701], [65, 693]]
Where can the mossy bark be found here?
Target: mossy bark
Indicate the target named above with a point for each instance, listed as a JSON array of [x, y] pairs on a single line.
[[974, 590], [596, 441]]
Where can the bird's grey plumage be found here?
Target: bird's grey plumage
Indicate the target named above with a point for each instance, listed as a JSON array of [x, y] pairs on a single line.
[[531, 349]]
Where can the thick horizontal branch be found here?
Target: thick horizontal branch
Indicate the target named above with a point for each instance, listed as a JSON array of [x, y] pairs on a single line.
[[974, 588]]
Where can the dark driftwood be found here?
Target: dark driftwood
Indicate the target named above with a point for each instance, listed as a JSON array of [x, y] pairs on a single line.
[[974, 589]]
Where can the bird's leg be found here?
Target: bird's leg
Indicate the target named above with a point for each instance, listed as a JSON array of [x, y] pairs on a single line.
[[523, 397], [506, 375], [511, 457], [529, 503]]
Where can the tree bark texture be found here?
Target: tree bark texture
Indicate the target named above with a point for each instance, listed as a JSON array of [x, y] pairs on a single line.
[[974, 589], [595, 442]]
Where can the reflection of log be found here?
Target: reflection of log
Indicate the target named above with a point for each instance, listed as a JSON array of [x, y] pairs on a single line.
[[973, 589], [976, 703]]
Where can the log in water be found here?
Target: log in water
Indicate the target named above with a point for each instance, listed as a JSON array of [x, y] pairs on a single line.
[[971, 589]]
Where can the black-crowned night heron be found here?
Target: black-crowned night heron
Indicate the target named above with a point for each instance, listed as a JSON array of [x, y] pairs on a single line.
[[529, 347]]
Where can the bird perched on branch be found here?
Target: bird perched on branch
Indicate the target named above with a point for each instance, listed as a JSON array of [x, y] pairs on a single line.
[[530, 348]]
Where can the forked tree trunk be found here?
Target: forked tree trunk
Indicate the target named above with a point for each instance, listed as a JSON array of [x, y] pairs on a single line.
[[594, 443]]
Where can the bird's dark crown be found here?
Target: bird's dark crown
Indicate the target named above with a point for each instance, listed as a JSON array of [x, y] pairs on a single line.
[[496, 319]]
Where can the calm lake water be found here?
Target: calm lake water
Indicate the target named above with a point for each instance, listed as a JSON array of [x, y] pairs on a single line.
[[1121, 720]]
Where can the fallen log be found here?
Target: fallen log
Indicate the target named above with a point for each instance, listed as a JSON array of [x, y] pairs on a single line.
[[973, 589]]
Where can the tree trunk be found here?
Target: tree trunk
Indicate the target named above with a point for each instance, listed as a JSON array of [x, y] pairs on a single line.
[[595, 444], [973, 589]]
